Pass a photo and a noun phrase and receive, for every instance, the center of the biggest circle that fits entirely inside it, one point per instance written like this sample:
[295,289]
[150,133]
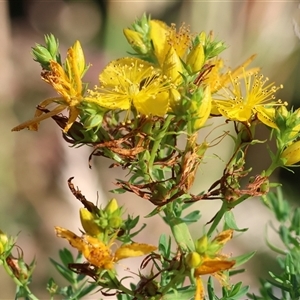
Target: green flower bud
[52,45]
[115,222]
[42,56]
[200,108]
[201,244]
[111,206]
[213,249]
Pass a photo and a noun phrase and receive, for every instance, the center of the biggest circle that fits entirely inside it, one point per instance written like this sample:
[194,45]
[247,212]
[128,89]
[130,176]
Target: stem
[157,144]
[30,295]
[226,206]
[218,217]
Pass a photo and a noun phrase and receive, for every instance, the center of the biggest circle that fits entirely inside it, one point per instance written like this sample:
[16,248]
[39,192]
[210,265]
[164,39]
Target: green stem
[218,217]
[119,285]
[226,206]
[174,281]
[157,144]
[30,295]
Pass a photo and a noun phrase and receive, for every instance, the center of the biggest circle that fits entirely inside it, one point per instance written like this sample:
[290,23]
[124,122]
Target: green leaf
[164,245]
[185,293]
[192,217]
[230,222]
[241,259]
[66,273]
[238,290]
[182,234]
[66,257]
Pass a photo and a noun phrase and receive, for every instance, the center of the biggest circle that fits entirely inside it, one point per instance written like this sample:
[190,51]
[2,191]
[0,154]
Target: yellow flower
[67,82]
[131,82]
[217,80]
[170,47]
[164,37]
[211,261]
[256,101]
[98,253]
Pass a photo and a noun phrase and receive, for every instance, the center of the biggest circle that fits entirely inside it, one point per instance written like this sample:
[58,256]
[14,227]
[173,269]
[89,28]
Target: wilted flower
[67,82]
[207,259]
[98,253]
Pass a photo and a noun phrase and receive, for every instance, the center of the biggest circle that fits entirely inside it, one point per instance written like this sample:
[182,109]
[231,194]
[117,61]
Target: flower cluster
[173,85]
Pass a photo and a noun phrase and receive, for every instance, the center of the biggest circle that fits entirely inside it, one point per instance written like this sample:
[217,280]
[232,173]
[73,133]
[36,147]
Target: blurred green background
[35,166]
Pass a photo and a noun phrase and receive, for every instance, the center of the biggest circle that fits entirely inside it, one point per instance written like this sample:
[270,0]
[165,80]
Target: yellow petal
[199,289]
[133,250]
[159,35]
[72,238]
[266,116]
[156,105]
[34,123]
[213,265]
[224,236]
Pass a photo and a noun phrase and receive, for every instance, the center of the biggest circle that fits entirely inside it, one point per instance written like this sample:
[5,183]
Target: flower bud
[111,206]
[135,39]
[42,56]
[172,66]
[282,111]
[295,130]
[3,241]
[88,223]
[80,61]
[158,35]
[195,58]
[193,260]
[52,45]
[201,104]
[175,103]
[291,155]
[213,249]
[201,244]
[115,222]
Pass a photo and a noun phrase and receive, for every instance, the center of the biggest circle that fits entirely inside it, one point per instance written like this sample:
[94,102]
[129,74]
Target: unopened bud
[135,39]
[111,206]
[291,155]
[3,241]
[195,58]
[201,244]
[88,223]
[193,260]
[115,222]
[200,109]
[172,66]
